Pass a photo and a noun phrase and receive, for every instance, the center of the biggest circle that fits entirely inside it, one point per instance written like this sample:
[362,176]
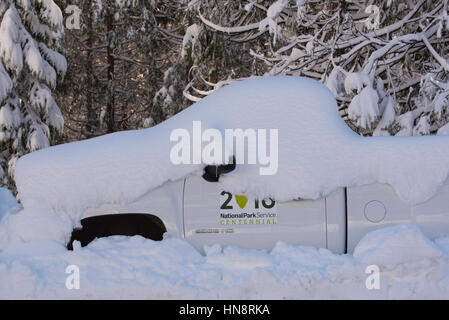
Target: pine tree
[30,65]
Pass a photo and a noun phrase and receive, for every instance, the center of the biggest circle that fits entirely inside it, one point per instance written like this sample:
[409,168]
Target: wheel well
[125,224]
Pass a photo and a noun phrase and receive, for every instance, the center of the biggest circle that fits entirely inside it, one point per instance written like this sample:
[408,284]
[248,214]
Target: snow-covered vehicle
[331,187]
[203,214]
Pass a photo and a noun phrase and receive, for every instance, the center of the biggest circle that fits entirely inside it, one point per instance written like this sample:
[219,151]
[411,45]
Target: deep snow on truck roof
[317,153]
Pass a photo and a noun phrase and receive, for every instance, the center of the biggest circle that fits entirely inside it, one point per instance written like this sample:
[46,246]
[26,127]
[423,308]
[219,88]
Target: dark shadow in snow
[128,224]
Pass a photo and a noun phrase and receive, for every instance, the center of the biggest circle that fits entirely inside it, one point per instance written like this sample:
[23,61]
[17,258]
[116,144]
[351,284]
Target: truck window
[128,224]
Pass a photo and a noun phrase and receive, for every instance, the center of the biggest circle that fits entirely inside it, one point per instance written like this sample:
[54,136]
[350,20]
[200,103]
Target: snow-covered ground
[7,203]
[411,267]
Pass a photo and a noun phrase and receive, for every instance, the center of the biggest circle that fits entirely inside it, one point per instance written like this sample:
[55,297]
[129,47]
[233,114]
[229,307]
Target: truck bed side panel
[376,206]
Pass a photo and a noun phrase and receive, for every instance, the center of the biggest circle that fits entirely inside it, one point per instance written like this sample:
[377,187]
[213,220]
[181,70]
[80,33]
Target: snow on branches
[30,36]
[386,62]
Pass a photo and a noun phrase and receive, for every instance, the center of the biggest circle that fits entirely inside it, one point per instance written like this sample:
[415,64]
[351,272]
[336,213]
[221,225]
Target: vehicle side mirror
[213,172]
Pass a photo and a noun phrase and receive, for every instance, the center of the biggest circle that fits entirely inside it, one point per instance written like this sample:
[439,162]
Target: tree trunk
[110,108]
[91,124]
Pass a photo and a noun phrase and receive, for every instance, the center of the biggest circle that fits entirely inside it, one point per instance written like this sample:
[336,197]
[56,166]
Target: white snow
[38,66]
[190,38]
[56,59]
[10,49]
[42,100]
[270,23]
[422,127]
[406,121]
[37,139]
[249,6]
[8,203]
[444,130]
[336,80]
[391,246]
[120,167]
[441,103]
[163,96]
[364,107]
[51,12]
[17,46]
[5,83]
[411,267]
[387,119]
[356,81]
[9,118]
[276,8]
[148,122]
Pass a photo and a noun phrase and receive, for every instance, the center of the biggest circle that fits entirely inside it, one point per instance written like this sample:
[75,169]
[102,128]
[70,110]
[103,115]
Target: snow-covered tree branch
[384,60]
[30,65]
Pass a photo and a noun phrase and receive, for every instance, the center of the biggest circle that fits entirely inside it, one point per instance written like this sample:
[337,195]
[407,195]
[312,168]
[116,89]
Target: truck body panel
[296,222]
[203,214]
[375,206]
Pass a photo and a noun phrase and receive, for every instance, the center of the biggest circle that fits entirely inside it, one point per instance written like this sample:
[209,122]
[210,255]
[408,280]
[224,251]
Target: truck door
[213,215]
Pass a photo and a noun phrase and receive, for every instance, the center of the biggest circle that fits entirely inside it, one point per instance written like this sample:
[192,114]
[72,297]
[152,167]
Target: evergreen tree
[30,65]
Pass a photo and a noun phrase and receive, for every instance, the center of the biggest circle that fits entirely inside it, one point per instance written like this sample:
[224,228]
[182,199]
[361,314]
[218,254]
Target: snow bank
[318,153]
[394,245]
[35,225]
[8,202]
[137,268]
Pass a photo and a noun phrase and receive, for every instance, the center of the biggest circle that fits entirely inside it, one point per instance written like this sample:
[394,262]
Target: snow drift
[317,153]
[8,203]
[138,268]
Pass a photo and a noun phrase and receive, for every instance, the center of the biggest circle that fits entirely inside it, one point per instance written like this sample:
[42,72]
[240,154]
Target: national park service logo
[241,210]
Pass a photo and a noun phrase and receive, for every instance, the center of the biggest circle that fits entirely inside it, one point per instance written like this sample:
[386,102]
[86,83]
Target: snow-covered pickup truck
[203,214]
[355,184]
